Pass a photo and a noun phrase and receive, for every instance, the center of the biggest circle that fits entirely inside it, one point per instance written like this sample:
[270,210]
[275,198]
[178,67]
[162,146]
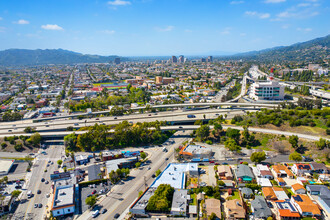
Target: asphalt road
[123,195]
[26,209]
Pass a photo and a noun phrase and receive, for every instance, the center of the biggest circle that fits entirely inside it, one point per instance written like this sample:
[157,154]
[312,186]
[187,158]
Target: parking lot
[85,191]
[17,171]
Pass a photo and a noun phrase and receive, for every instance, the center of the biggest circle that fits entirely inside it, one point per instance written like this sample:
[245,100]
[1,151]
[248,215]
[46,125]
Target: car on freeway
[216,114]
[47,126]
[116,215]
[97,119]
[95,213]
[149,115]
[115,118]
[76,124]
[180,127]
[9,130]
[104,211]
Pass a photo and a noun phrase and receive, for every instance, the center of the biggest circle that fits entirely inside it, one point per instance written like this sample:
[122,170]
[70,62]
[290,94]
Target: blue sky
[160,27]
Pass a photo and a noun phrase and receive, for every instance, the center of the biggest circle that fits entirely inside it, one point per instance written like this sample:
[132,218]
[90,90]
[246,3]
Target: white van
[95,213]
[29,194]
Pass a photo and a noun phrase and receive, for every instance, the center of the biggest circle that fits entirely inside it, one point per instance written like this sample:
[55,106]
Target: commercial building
[195,151]
[94,172]
[180,202]
[181,59]
[269,90]
[5,166]
[174,59]
[120,163]
[65,191]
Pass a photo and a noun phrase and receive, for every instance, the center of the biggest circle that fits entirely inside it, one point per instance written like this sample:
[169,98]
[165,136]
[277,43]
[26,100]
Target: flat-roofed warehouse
[5,166]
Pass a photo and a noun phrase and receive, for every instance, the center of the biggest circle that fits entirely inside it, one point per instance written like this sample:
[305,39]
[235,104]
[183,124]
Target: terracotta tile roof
[269,193]
[306,204]
[298,186]
[277,168]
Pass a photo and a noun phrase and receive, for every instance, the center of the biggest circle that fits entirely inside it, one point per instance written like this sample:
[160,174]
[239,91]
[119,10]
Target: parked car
[35,205]
[39,191]
[94,191]
[95,213]
[47,182]
[116,215]
[40,205]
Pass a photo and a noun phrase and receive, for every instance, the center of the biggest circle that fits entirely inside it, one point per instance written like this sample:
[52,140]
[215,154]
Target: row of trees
[116,176]
[124,134]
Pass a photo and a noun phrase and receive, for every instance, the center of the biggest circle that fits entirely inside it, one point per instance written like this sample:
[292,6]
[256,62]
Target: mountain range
[20,57]
[313,50]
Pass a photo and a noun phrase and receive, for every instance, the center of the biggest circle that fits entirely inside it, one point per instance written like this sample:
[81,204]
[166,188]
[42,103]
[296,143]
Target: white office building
[267,90]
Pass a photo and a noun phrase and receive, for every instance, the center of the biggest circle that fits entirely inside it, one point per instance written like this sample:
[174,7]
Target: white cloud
[166,29]
[53,27]
[274,1]
[257,14]
[110,32]
[2,29]
[304,5]
[226,31]
[242,34]
[285,26]
[236,2]
[119,2]
[304,29]
[22,21]
[188,31]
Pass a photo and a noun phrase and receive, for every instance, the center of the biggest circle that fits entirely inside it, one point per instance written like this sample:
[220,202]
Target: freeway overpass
[48,135]
[182,105]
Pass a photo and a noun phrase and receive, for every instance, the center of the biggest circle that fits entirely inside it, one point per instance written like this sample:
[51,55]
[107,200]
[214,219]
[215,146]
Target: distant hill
[20,57]
[312,50]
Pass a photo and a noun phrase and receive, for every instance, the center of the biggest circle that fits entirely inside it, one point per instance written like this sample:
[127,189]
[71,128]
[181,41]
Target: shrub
[209,142]
[18,147]
[3,145]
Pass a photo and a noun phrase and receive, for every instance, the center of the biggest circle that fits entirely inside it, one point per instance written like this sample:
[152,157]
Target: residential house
[213,206]
[264,172]
[286,210]
[280,193]
[235,209]
[305,206]
[280,182]
[321,193]
[224,172]
[319,168]
[269,193]
[298,188]
[247,193]
[282,171]
[300,169]
[260,208]
[244,173]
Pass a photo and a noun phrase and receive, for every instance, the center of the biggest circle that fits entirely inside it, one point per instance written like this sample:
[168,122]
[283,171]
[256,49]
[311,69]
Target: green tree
[59,162]
[158,172]
[293,140]
[35,139]
[233,134]
[295,156]
[137,164]
[143,155]
[70,142]
[213,216]
[257,157]
[18,147]
[4,145]
[231,145]
[16,193]
[203,132]
[91,200]
[322,143]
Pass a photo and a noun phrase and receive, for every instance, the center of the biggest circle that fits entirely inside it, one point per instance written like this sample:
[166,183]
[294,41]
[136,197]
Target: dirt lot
[10,147]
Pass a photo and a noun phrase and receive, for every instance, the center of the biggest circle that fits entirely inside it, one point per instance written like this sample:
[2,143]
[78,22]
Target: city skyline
[161,28]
